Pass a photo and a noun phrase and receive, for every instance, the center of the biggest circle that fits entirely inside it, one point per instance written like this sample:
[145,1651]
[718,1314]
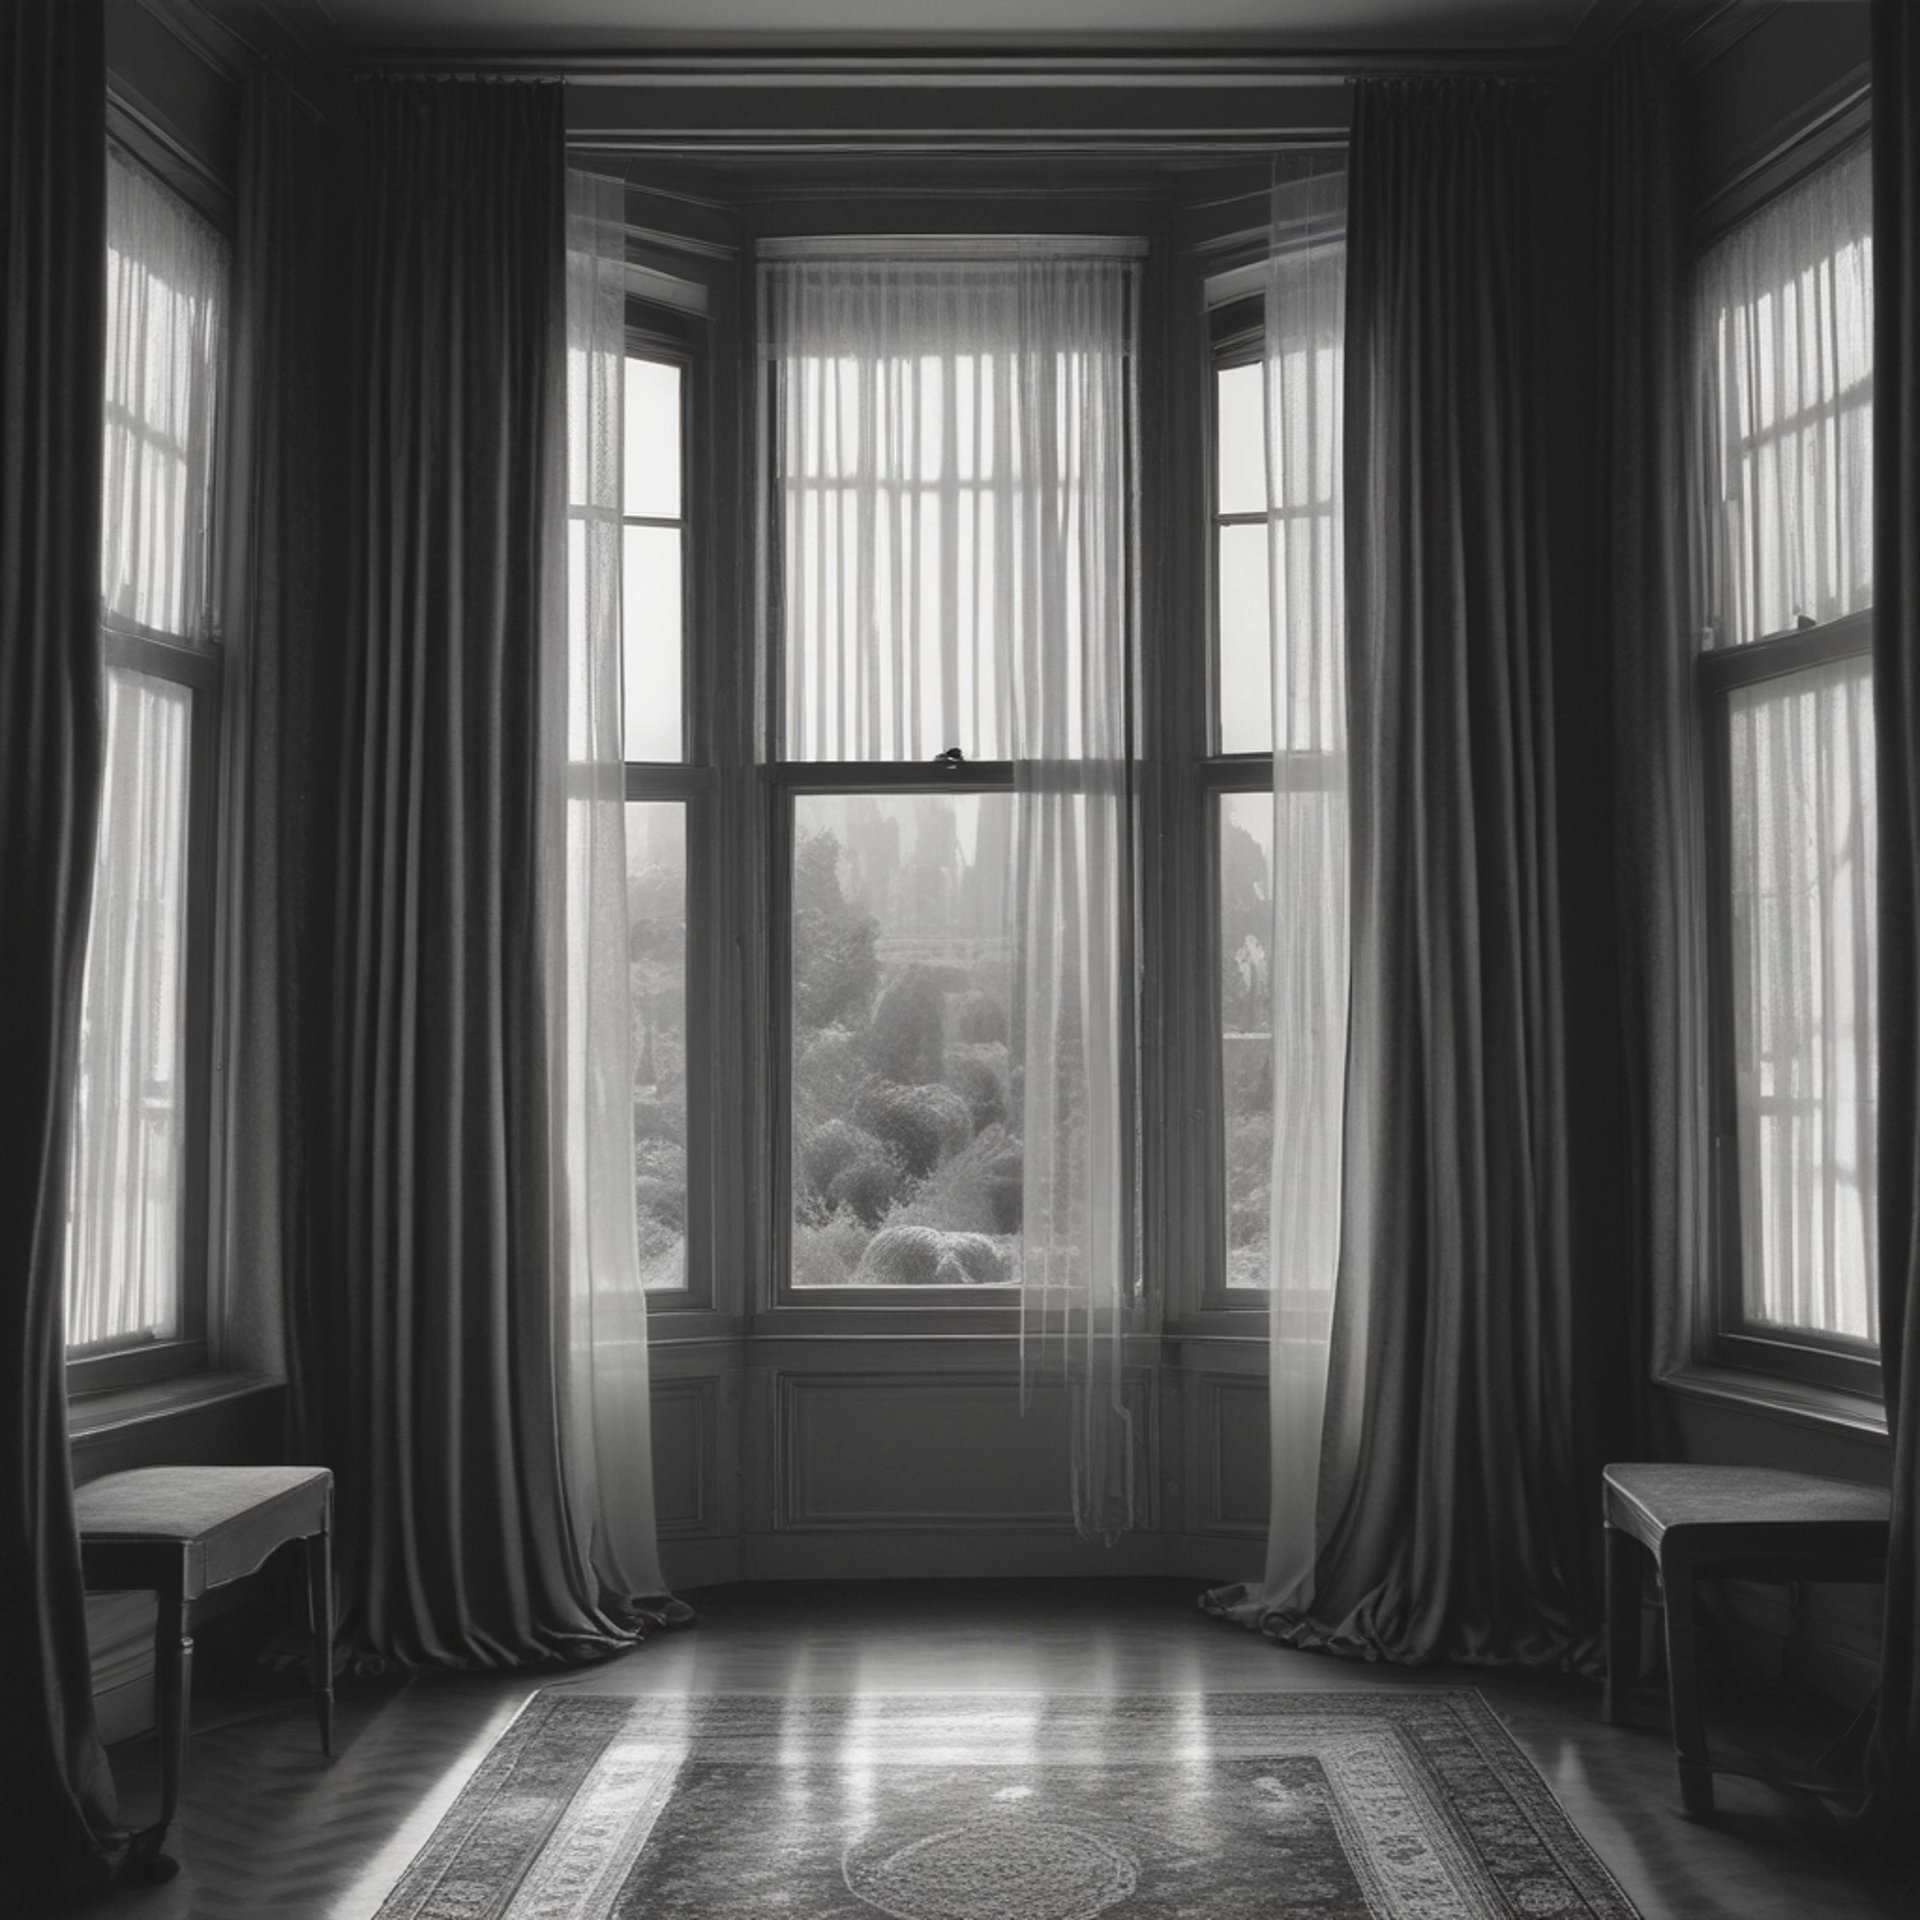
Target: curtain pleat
[440,1319]
[1447,1526]
[1645,511]
[286,607]
[56,1796]
[1893,1759]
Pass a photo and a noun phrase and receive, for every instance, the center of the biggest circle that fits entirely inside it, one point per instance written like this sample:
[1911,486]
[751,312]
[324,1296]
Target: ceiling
[1003,25]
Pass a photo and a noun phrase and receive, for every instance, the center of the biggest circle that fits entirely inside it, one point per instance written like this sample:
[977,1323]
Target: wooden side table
[1755,1522]
[177,1532]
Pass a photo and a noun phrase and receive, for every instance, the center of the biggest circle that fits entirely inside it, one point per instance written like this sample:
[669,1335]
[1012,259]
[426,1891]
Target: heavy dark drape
[1646,598]
[1447,1529]
[436,1372]
[286,461]
[1893,1761]
[56,1797]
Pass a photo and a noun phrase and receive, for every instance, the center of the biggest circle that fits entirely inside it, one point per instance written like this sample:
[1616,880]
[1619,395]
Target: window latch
[953,758]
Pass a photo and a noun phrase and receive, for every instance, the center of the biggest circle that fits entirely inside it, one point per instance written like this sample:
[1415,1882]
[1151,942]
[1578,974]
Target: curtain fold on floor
[1646,508]
[1893,1758]
[55,1790]
[440,1308]
[1447,1531]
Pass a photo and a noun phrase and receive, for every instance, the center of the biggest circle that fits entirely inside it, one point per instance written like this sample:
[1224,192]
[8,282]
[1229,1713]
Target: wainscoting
[793,1457]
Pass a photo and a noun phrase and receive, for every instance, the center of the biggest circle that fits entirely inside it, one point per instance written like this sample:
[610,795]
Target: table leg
[1623,1624]
[1683,1688]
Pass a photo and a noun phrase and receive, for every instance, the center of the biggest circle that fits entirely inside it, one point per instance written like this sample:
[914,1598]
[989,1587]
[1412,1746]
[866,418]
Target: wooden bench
[1755,1522]
[178,1532]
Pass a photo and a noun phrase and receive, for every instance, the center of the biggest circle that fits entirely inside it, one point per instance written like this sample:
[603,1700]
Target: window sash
[790,783]
[1738,1337]
[135,1357]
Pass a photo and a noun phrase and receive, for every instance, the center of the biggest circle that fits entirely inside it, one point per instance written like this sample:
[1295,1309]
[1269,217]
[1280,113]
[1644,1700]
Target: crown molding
[1225,70]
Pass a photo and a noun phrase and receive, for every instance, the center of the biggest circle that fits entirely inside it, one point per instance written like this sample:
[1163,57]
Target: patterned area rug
[1241,1806]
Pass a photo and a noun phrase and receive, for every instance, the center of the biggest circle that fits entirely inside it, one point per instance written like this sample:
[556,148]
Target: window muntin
[1784,695]
[136,1199]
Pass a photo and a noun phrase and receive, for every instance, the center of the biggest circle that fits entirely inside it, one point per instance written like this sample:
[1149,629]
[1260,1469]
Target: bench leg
[1623,1624]
[318,1548]
[145,1864]
[1683,1689]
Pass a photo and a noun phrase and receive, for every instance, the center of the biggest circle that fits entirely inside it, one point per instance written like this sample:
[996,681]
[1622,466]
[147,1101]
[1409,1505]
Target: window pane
[1246,1029]
[127,1172]
[650,625]
[1246,641]
[1238,432]
[1786,353]
[905,1117]
[1802,842]
[166,343]
[657,968]
[952,457]
[652,440]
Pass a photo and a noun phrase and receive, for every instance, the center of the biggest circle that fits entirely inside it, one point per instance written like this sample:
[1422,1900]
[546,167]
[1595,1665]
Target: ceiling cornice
[1224,70]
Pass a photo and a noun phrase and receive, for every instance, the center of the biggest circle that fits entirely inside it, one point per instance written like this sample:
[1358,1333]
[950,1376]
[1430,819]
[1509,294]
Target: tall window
[660,788]
[951,464]
[1278,714]
[629,530]
[136,1231]
[1785,357]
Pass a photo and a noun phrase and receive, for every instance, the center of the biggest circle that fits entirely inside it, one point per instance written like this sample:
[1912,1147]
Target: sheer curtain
[957,571]
[607,1426]
[1785,357]
[166,324]
[1301,394]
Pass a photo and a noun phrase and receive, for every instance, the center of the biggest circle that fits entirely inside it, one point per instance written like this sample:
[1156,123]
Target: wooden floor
[270,1828]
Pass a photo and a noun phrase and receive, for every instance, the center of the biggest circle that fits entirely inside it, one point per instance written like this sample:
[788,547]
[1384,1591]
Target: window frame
[672,336]
[915,1309]
[202,670]
[1826,1379]
[1234,335]
[1834,1362]
[788,781]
